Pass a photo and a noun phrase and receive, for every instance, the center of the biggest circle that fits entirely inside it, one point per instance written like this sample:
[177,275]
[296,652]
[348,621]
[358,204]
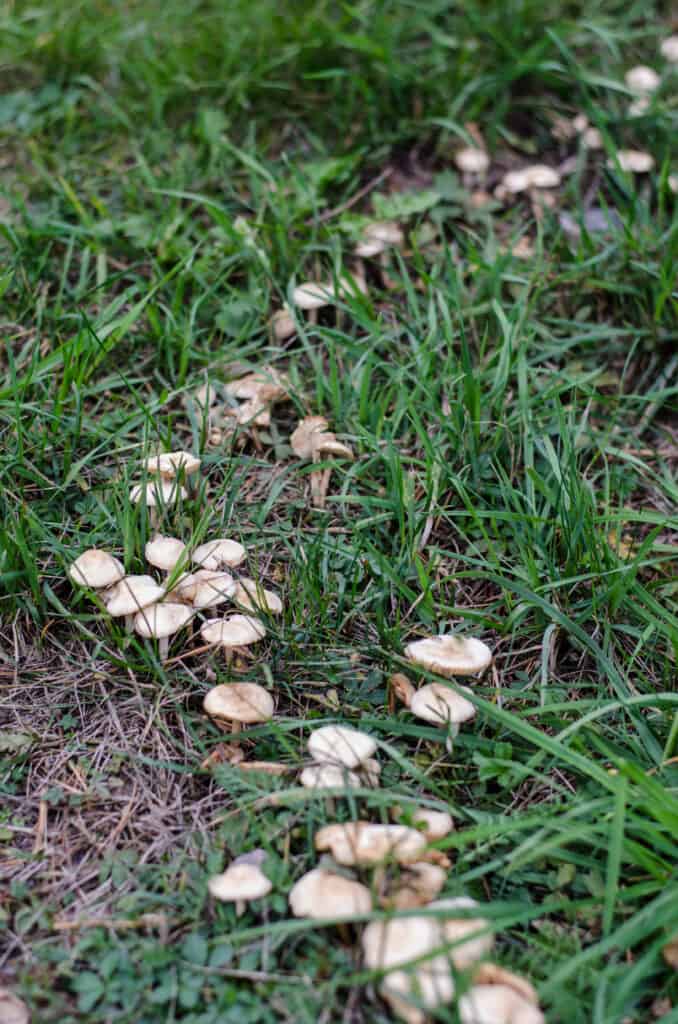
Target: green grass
[169,172]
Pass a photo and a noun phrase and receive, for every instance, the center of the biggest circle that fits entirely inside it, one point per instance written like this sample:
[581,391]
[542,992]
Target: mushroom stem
[452,733]
[153,516]
[129,623]
[239,908]
[235,728]
[163,648]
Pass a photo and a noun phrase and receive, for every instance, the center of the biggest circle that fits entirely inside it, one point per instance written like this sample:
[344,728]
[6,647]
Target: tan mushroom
[210,588]
[238,704]
[538,176]
[434,824]
[338,744]
[130,595]
[370,772]
[486,973]
[283,324]
[321,894]
[470,938]
[251,595]
[257,393]
[96,569]
[669,49]
[157,493]
[361,842]
[313,440]
[497,1004]
[240,884]
[377,237]
[312,295]
[219,553]
[449,655]
[633,161]
[414,885]
[328,776]
[472,161]
[642,80]
[164,552]
[172,464]
[160,622]
[12,1009]
[441,705]
[235,632]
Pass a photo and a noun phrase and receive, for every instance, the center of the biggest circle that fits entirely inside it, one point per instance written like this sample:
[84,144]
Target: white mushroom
[159,492]
[233,632]
[240,884]
[338,744]
[312,295]
[251,595]
[96,569]
[130,595]
[434,824]
[472,160]
[361,842]
[497,1004]
[669,49]
[450,655]
[160,622]
[538,176]
[415,885]
[171,464]
[633,161]
[313,440]
[283,324]
[642,80]
[216,554]
[164,552]
[238,704]
[212,588]
[441,705]
[328,776]
[377,237]
[12,1009]
[470,938]
[322,894]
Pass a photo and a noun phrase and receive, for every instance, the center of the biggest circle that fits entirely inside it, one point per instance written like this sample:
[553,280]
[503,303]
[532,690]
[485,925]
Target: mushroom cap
[240,882]
[302,440]
[161,620]
[428,985]
[283,324]
[338,744]
[215,554]
[534,176]
[361,842]
[370,771]
[516,181]
[463,952]
[170,464]
[642,80]
[12,1009]
[313,295]
[416,885]
[497,1004]
[96,569]
[632,160]
[472,160]
[233,631]
[131,594]
[164,552]
[450,655]
[441,705]
[377,237]
[396,941]
[592,138]
[239,702]
[265,384]
[251,595]
[328,776]
[212,588]
[669,49]
[154,492]
[320,894]
[436,824]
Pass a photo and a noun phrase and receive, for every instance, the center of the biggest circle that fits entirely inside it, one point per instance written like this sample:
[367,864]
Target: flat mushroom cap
[161,620]
[164,552]
[12,1009]
[248,703]
[633,160]
[440,705]
[131,594]
[516,181]
[428,984]
[215,554]
[301,439]
[283,324]
[266,384]
[642,80]
[328,776]
[157,492]
[233,631]
[339,744]
[240,882]
[251,595]
[377,237]
[669,49]
[437,824]
[170,464]
[472,160]
[396,941]
[320,894]
[313,295]
[464,952]
[450,655]
[212,588]
[416,886]
[497,1004]
[361,842]
[96,569]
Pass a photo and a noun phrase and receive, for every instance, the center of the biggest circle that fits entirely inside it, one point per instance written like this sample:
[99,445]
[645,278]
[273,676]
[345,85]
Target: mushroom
[257,392]
[240,884]
[469,937]
[210,588]
[164,552]
[473,162]
[492,974]
[283,324]
[633,161]
[378,236]
[415,885]
[160,622]
[238,704]
[669,49]
[497,1004]
[400,688]
[235,631]
[157,493]
[449,655]
[538,176]
[251,595]
[215,554]
[328,776]
[321,894]
[130,595]
[642,80]
[12,1009]
[171,464]
[434,824]
[370,772]
[313,440]
[311,296]
[338,744]
[96,569]
[361,842]
[441,705]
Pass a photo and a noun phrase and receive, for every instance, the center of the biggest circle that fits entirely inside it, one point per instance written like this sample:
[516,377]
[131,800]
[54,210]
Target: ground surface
[169,172]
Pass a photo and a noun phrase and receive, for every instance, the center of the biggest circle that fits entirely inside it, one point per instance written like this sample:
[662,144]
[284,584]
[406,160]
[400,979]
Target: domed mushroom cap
[534,176]
[328,776]
[377,237]
[212,588]
[240,882]
[170,464]
[251,595]
[96,569]
[157,492]
[425,986]
[248,703]
[340,745]
[633,161]
[164,552]
[399,940]
[497,1004]
[464,951]
[320,894]
[313,295]
[131,594]
[642,80]
[12,1009]
[472,160]
[161,620]
[361,842]
[450,655]
[233,631]
[215,554]
[283,324]
[440,705]
[416,885]
[435,824]
[669,49]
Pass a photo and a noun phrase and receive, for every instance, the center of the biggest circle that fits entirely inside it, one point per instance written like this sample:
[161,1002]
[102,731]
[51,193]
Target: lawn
[506,380]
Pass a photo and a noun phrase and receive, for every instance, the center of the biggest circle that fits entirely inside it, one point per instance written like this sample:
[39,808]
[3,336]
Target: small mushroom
[171,464]
[470,938]
[157,493]
[497,1004]
[130,595]
[310,295]
[669,49]
[211,588]
[377,237]
[283,324]
[96,569]
[240,884]
[441,705]
[250,595]
[361,842]
[164,552]
[632,161]
[434,824]
[313,440]
[538,176]
[473,162]
[238,704]
[219,553]
[370,772]
[415,885]
[321,894]
[338,744]
[257,393]
[449,655]
[642,80]
[492,974]
[160,622]
[328,776]
[232,633]
[12,1009]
